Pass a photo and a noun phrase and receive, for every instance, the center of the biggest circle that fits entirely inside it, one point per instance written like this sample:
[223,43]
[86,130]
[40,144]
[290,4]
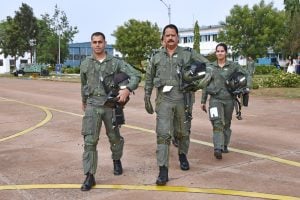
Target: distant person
[298,65]
[291,65]
[221,102]
[164,73]
[98,73]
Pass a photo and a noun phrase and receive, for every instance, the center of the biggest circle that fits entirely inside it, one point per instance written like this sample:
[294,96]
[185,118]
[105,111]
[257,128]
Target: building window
[23,61]
[185,40]
[1,62]
[12,62]
[215,36]
[83,57]
[205,38]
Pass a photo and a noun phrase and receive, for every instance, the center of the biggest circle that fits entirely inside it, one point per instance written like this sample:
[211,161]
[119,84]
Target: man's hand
[123,95]
[148,105]
[203,107]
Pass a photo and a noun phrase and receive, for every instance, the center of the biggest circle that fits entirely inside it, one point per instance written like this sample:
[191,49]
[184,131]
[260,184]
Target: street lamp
[59,65]
[58,46]
[32,43]
[169,10]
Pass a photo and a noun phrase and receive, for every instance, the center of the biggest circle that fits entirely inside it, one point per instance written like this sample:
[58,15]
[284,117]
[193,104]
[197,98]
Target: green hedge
[266,69]
[70,70]
[276,80]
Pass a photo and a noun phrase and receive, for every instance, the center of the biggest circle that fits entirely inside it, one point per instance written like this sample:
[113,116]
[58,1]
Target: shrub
[281,80]
[266,69]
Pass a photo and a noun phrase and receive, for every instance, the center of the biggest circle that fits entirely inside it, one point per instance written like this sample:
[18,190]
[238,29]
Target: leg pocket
[88,123]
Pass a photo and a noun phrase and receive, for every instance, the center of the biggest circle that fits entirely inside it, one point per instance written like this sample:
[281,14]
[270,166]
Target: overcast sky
[106,15]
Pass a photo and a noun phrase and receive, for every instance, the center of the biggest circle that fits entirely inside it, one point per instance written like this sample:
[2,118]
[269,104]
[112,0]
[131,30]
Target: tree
[250,32]
[26,27]
[196,45]
[55,31]
[18,32]
[136,41]
[292,42]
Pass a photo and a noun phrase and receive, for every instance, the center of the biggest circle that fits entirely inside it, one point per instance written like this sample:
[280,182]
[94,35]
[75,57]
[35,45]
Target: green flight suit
[221,102]
[96,77]
[163,71]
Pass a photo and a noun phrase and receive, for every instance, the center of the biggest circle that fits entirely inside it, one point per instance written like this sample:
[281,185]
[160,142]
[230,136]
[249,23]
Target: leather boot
[163,177]
[184,163]
[218,154]
[118,170]
[88,183]
[225,149]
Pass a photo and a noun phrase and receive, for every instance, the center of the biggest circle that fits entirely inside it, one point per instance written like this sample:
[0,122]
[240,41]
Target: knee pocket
[218,126]
[90,140]
[165,139]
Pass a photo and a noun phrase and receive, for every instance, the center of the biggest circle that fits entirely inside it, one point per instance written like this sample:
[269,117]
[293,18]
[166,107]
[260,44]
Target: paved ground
[41,149]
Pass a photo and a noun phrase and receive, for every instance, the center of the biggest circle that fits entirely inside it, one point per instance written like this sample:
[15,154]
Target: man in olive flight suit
[97,73]
[164,73]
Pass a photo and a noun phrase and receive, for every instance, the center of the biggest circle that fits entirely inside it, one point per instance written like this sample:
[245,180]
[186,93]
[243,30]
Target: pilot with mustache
[164,73]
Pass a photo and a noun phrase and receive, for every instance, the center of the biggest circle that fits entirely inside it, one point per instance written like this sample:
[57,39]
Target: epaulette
[188,49]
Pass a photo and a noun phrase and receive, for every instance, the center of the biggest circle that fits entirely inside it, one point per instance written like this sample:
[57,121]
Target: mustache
[171,40]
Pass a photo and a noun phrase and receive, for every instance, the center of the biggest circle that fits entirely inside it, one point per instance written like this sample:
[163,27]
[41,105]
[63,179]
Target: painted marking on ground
[43,122]
[154,188]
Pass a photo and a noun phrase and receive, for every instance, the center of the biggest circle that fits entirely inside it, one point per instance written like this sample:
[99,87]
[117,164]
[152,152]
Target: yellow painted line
[139,128]
[44,121]
[273,158]
[154,188]
[66,112]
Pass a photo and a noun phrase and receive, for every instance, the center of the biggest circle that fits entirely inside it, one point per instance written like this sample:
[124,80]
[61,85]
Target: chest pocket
[161,69]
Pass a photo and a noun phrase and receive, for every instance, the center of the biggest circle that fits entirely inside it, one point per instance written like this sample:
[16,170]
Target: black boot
[163,177]
[218,154]
[88,183]
[225,149]
[118,170]
[184,163]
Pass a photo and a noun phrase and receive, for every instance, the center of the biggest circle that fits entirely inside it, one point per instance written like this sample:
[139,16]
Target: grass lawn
[277,92]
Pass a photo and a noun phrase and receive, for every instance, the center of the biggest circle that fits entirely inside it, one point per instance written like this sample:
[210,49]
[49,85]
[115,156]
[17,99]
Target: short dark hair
[98,34]
[222,45]
[171,26]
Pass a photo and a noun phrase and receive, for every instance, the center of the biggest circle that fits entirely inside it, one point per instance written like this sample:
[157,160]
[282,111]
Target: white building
[9,62]
[208,36]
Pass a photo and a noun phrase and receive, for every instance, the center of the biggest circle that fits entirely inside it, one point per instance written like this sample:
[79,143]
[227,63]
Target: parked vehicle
[268,61]
[40,69]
